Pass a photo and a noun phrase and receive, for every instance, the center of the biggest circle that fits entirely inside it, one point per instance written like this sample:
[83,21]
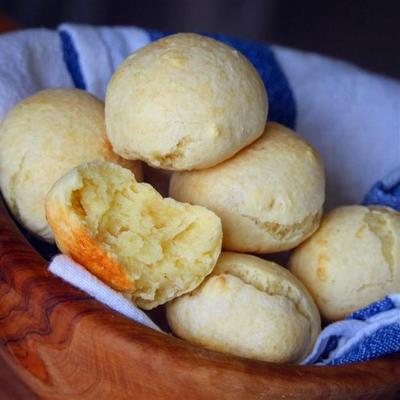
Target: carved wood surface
[62,344]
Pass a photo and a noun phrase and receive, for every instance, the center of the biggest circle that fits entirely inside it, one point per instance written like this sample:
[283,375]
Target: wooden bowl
[61,344]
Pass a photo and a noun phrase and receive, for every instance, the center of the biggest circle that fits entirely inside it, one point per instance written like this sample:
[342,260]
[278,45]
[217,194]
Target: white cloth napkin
[101,50]
[351,116]
[30,61]
[76,275]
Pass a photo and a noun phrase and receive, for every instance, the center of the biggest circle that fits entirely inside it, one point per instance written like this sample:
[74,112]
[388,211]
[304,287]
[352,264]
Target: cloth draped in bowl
[351,117]
[368,333]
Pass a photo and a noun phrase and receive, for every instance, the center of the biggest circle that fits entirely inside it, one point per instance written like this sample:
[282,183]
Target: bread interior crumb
[164,246]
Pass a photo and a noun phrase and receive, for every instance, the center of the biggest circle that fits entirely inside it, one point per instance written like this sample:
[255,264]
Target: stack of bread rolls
[188,105]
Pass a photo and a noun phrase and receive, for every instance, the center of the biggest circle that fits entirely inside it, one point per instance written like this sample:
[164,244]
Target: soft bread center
[162,244]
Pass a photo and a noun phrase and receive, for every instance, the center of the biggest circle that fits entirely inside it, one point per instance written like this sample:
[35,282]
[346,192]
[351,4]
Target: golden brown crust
[76,242]
[249,307]
[269,196]
[41,139]
[352,260]
[212,103]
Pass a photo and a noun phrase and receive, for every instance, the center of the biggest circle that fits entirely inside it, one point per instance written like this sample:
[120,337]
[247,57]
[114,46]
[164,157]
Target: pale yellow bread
[152,249]
[269,195]
[248,307]
[41,139]
[352,260]
[184,102]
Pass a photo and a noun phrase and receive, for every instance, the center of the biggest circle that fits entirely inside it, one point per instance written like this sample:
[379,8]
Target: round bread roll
[41,139]
[352,260]
[248,307]
[184,102]
[150,248]
[269,196]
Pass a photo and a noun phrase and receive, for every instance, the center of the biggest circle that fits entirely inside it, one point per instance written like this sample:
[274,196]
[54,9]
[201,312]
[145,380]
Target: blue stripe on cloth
[383,341]
[71,59]
[384,196]
[375,308]
[282,104]
[156,35]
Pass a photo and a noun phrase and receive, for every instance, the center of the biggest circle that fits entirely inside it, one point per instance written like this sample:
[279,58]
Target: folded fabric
[386,192]
[369,333]
[349,115]
[80,277]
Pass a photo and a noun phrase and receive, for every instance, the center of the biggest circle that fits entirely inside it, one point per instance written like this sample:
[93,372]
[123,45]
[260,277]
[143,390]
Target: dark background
[366,32]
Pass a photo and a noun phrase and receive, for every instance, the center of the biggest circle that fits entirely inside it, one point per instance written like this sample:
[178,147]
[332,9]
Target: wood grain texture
[11,387]
[64,345]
